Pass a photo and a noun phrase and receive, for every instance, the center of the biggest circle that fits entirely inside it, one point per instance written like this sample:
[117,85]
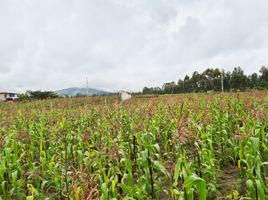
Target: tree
[146,90]
[216,79]
[226,81]
[152,90]
[181,86]
[187,84]
[42,94]
[169,88]
[210,79]
[195,84]
[254,80]
[264,77]
[238,80]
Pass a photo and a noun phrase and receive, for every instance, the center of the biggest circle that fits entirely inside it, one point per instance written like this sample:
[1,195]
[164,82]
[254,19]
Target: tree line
[212,79]
[37,95]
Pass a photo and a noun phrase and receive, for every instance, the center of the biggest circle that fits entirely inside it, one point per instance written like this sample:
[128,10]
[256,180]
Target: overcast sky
[126,44]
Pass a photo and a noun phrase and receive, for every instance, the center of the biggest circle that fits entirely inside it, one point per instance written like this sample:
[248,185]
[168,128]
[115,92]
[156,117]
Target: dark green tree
[169,88]
[264,77]
[181,86]
[210,80]
[254,80]
[238,80]
[42,94]
[187,84]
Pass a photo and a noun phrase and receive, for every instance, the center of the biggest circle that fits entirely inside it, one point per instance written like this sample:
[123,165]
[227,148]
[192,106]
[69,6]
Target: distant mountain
[73,91]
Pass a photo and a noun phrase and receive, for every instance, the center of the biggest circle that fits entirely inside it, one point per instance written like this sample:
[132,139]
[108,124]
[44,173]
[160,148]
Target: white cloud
[126,44]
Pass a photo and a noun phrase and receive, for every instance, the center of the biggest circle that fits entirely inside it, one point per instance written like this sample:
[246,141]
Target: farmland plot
[194,146]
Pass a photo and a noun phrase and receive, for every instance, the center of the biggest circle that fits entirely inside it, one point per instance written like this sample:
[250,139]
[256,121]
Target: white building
[8,96]
[125,96]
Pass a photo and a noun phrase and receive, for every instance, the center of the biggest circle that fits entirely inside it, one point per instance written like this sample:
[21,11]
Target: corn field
[196,146]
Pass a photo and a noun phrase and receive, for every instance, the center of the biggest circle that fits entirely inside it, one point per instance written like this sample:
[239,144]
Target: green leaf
[104,192]
[157,147]
[160,167]
[254,144]
[29,198]
[251,188]
[194,180]
[14,175]
[260,189]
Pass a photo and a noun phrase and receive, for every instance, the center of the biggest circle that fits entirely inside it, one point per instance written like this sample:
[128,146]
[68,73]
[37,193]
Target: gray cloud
[121,44]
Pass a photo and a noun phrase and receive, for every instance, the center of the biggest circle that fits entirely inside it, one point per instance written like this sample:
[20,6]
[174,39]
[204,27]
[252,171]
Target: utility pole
[222,89]
[87,86]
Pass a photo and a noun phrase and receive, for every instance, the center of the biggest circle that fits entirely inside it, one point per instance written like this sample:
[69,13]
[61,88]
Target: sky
[126,44]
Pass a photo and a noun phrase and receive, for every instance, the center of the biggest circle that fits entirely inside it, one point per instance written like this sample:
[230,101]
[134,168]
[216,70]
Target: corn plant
[166,147]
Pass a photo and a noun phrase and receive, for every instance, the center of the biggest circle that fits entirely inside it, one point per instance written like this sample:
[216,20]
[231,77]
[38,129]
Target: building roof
[8,93]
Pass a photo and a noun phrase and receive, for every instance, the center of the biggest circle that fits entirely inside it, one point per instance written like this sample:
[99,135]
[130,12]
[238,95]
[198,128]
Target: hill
[73,91]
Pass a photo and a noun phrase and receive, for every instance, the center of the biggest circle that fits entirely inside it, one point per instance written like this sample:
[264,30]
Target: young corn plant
[253,161]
